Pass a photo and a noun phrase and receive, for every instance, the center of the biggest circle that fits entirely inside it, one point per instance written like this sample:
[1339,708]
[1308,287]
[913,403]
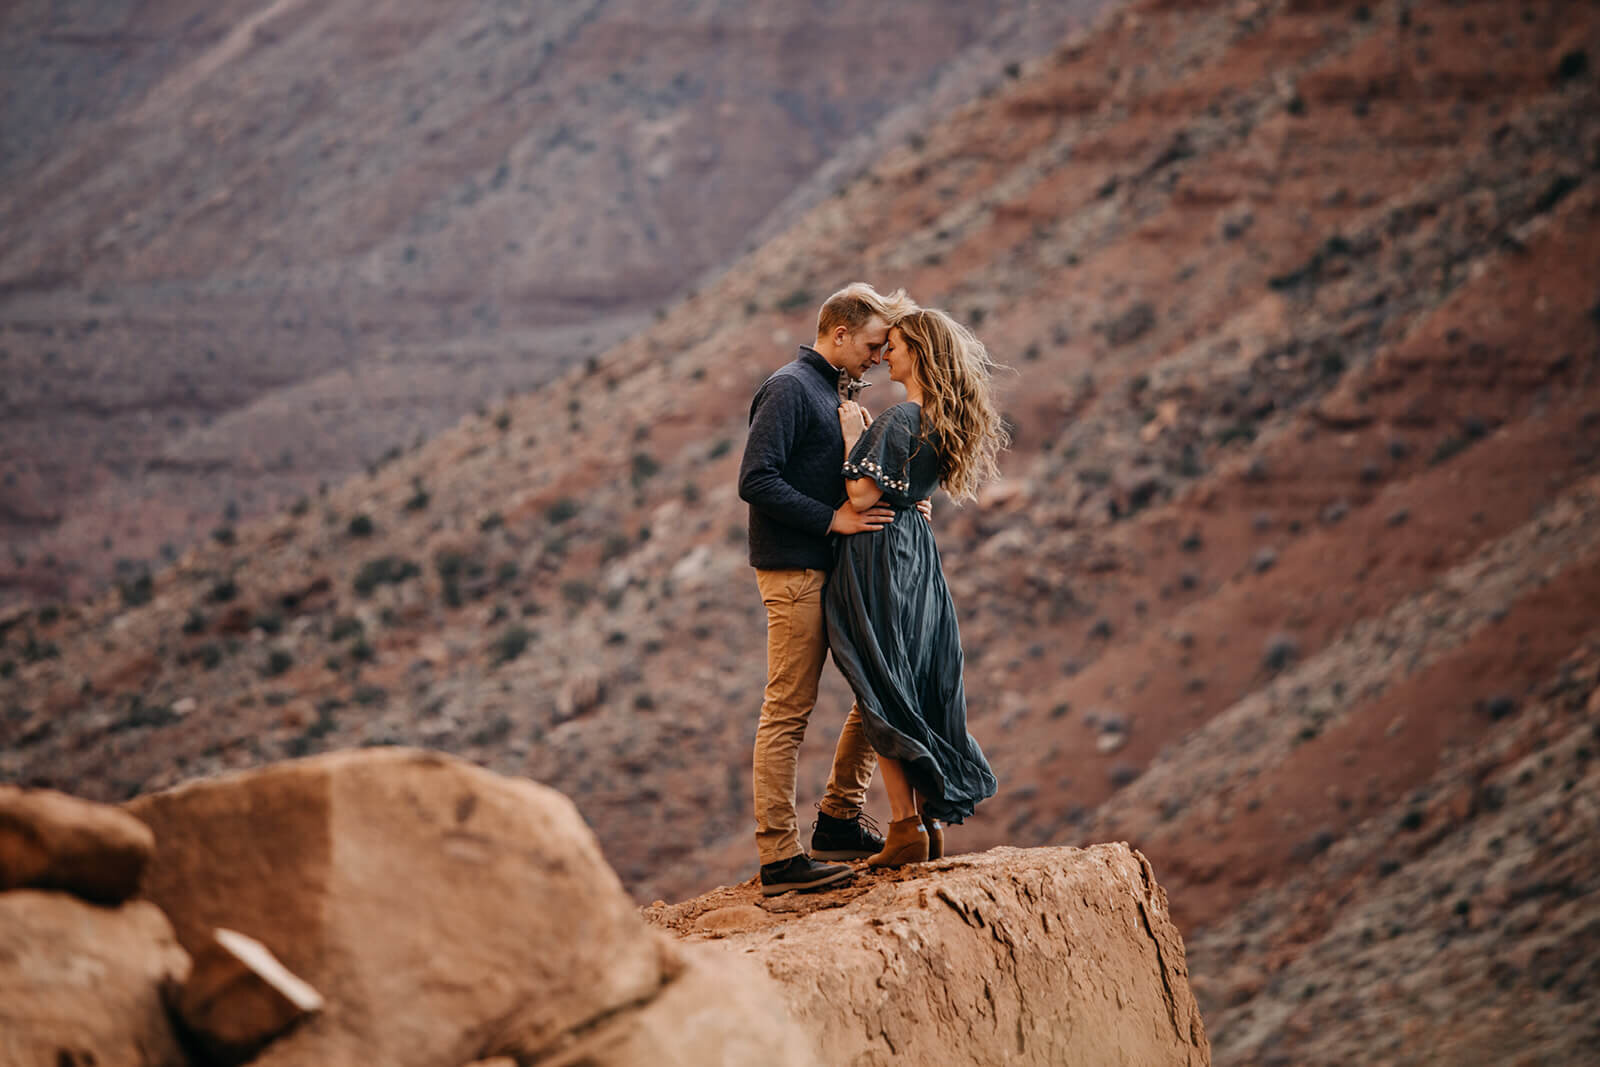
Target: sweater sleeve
[776,419]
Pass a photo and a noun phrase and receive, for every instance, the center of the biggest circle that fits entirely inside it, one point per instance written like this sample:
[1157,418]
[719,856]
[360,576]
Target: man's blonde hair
[857,302]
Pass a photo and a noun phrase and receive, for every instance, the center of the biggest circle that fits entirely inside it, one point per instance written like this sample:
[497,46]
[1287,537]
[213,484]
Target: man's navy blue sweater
[792,475]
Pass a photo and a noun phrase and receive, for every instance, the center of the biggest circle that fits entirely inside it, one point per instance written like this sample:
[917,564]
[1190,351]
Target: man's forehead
[876,329]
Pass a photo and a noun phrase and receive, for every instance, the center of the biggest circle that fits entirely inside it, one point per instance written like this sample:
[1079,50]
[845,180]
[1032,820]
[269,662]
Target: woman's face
[898,355]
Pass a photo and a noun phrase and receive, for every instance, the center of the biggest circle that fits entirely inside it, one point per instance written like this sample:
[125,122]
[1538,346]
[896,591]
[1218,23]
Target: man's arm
[774,425]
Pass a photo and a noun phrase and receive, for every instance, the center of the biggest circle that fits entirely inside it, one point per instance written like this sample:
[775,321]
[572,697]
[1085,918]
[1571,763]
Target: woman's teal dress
[892,625]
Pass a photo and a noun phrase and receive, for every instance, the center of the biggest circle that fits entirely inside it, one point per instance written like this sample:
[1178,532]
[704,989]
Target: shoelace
[869,825]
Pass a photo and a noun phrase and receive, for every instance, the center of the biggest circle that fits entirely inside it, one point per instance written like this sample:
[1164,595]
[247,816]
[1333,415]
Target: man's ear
[839,334]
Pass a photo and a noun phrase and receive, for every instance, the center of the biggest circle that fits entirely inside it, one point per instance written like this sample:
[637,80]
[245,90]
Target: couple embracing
[845,558]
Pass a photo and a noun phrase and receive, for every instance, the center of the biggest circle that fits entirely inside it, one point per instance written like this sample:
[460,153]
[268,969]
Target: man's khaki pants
[797,645]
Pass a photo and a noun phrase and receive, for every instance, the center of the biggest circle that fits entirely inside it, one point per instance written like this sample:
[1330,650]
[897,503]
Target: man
[792,478]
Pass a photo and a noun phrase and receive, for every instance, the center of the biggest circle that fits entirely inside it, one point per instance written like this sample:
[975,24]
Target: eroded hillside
[257,245]
[1288,583]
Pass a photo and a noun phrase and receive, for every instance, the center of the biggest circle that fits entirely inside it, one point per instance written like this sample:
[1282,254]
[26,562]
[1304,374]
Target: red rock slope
[1298,531]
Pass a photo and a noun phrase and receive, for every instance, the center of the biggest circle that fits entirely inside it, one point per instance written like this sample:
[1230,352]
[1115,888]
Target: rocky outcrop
[1016,956]
[403,907]
[49,840]
[446,914]
[82,984]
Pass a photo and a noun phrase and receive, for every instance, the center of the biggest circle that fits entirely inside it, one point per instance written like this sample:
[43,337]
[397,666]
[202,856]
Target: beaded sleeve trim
[870,469]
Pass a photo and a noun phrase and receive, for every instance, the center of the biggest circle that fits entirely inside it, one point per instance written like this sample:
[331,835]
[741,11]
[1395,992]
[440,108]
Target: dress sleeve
[884,454]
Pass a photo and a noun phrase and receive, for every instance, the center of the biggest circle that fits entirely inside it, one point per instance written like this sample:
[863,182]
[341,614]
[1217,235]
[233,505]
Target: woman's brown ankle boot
[906,843]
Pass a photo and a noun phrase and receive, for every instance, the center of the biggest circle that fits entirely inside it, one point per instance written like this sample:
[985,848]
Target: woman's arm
[863,492]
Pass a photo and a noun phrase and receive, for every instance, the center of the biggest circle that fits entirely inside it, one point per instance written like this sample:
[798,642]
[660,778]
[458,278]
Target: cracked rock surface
[1017,956]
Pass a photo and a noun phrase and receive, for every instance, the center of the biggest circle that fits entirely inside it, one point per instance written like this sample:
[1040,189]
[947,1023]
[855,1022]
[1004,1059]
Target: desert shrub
[278,661]
[1281,650]
[577,592]
[510,644]
[383,570]
[561,510]
[419,498]
[141,715]
[644,466]
[370,695]
[1447,449]
[137,590]
[344,627]
[360,526]
[616,544]
[224,535]
[34,650]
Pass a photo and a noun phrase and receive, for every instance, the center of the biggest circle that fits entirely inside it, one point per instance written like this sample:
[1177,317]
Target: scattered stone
[49,840]
[1399,517]
[1335,512]
[1123,774]
[83,984]
[239,997]
[1264,560]
[1110,741]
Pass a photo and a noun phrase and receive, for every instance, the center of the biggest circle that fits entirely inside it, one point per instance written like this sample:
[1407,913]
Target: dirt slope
[1305,322]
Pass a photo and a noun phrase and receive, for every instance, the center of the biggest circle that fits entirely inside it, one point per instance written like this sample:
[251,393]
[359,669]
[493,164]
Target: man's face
[864,348]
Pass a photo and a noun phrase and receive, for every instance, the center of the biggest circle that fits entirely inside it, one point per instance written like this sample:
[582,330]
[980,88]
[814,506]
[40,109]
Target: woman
[891,623]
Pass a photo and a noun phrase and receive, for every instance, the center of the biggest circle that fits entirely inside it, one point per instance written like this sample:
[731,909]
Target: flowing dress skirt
[892,629]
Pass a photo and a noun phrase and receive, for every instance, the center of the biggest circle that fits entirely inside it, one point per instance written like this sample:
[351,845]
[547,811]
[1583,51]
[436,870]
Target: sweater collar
[813,359]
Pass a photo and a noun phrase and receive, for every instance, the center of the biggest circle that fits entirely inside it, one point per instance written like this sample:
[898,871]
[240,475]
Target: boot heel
[935,835]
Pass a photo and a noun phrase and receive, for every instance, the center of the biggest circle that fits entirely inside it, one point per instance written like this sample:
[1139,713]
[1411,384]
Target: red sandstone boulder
[446,914]
[50,840]
[81,984]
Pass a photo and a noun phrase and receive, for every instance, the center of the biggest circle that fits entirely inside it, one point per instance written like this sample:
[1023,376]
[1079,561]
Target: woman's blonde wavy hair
[958,410]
